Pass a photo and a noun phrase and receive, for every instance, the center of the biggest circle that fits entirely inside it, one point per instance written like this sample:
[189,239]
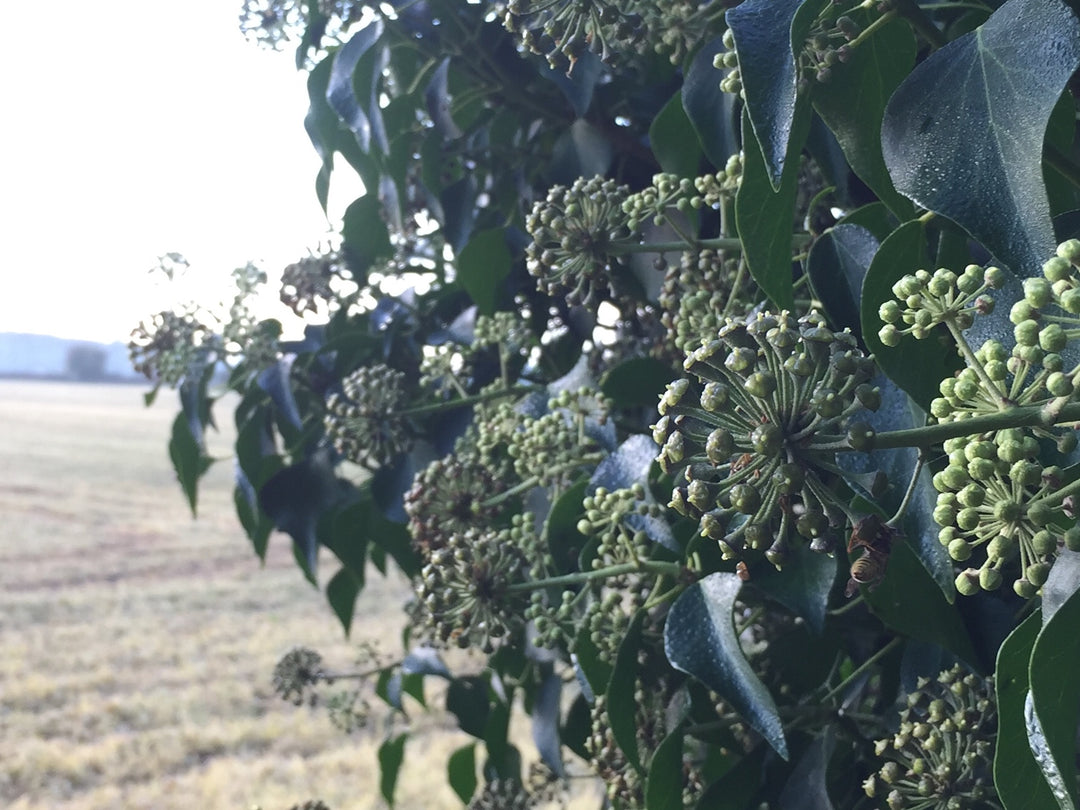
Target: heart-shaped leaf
[700,640]
[837,266]
[963,135]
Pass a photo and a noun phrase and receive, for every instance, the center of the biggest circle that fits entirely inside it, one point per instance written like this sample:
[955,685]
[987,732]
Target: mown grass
[137,645]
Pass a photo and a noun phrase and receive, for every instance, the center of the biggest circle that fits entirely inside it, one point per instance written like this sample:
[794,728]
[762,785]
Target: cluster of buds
[465,586]
[669,192]
[695,294]
[994,494]
[296,673]
[502,794]
[829,35]
[925,299]
[311,804]
[675,27]
[577,233]
[618,519]
[623,784]
[364,420]
[306,284]
[563,30]
[243,333]
[941,756]
[171,346]
[506,330]
[450,496]
[728,60]
[757,437]
[549,448]
[272,23]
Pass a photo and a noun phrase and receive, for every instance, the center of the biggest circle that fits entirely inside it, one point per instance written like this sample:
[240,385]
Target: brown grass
[136,645]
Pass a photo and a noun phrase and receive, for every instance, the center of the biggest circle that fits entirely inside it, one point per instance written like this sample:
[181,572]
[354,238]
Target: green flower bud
[1040,514]
[1000,548]
[767,439]
[954,477]
[719,446]
[1024,589]
[1072,538]
[1021,311]
[940,408]
[989,578]
[1043,543]
[960,549]
[1026,332]
[890,312]
[979,449]
[981,469]
[1069,250]
[1052,338]
[1037,292]
[944,515]
[714,396]
[1007,511]
[860,436]
[1056,269]
[995,278]
[889,335]
[761,384]
[745,498]
[789,478]
[967,519]
[1070,301]
[670,398]
[697,493]
[1059,385]
[967,582]
[972,495]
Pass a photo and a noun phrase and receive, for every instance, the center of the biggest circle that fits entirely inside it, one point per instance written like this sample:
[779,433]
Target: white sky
[132,128]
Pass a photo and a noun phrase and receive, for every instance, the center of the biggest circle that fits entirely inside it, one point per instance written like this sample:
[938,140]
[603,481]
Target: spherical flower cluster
[306,284]
[170,346]
[675,27]
[994,494]
[624,786]
[698,291]
[448,497]
[364,420]
[563,30]
[502,794]
[728,60]
[297,671]
[618,519]
[757,438]
[311,804]
[549,448]
[506,330]
[941,757]
[926,299]
[576,235]
[465,586]
[669,192]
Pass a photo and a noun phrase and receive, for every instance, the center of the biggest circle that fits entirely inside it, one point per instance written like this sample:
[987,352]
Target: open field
[137,645]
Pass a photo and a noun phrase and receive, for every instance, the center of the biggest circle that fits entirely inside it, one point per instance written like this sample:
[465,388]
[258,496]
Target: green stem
[581,577]
[1058,495]
[868,32]
[920,22]
[929,435]
[475,399]
[859,670]
[895,519]
[974,364]
[798,240]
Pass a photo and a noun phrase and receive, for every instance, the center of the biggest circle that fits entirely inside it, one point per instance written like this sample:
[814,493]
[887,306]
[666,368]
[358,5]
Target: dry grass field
[137,645]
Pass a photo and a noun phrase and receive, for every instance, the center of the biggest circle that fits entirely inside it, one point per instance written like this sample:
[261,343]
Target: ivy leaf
[437,101]
[712,112]
[700,640]
[764,216]
[188,459]
[630,465]
[837,266]
[339,90]
[581,151]
[579,85]
[806,788]
[545,720]
[1017,777]
[364,237]
[425,661]
[620,692]
[803,586]
[341,593]
[593,672]
[672,138]
[467,699]
[274,380]
[664,785]
[853,101]
[563,538]
[762,32]
[917,366]
[963,135]
[1063,582]
[482,265]
[461,772]
[637,382]
[1055,701]
[391,755]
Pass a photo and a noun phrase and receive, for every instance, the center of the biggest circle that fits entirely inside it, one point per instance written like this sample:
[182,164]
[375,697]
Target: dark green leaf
[188,459]
[564,540]
[391,755]
[589,666]
[853,101]
[545,720]
[803,586]
[437,102]
[458,201]
[738,786]
[579,85]
[837,265]
[578,726]
[1017,777]
[917,366]
[806,787]
[630,465]
[875,217]
[365,239]
[581,151]
[963,135]
[339,89]
[461,771]
[700,640]
[1055,701]
[482,265]
[664,785]
[912,603]
[712,112]
[637,382]
[763,41]
[467,699]
[341,593]
[673,141]
[764,217]
[620,692]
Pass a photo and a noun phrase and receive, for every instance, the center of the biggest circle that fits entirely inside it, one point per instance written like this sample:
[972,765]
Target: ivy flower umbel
[464,586]
[576,232]
[563,30]
[941,757]
[756,439]
[995,495]
[363,421]
[170,346]
[448,497]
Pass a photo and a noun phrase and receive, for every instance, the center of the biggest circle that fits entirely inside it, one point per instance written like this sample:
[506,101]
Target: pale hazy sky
[132,128]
